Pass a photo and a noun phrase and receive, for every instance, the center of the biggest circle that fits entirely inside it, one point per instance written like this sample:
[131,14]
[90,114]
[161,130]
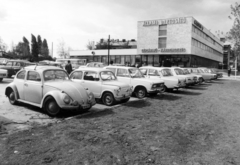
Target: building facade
[179,41]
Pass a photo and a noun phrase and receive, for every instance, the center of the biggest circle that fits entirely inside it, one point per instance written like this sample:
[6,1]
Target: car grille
[3,74]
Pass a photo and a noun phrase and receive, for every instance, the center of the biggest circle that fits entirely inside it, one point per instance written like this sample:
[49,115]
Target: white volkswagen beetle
[165,74]
[134,77]
[48,87]
[103,83]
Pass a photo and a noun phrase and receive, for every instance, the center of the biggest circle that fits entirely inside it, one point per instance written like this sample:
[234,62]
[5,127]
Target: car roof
[96,69]
[41,67]
[125,67]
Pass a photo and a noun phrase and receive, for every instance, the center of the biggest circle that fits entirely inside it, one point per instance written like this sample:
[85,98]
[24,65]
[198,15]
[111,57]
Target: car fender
[108,90]
[56,95]
[14,88]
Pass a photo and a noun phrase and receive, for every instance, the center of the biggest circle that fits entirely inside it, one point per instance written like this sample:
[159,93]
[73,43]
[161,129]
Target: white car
[165,74]
[199,77]
[190,80]
[3,74]
[134,77]
[103,83]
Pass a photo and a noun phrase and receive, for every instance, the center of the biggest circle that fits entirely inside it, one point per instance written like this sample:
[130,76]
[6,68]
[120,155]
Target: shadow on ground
[166,96]
[96,113]
[185,92]
[137,104]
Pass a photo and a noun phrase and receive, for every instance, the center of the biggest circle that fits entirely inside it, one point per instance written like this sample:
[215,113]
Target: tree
[39,43]
[62,49]
[3,46]
[44,49]
[103,44]
[34,47]
[90,45]
[234,33]
[26,46]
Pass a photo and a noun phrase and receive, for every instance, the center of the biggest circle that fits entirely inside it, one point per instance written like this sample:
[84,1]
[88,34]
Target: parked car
[199,77]
[134,77]
[13,66]
[206,71]
[190,80]
[170,82]
[103,83]
[206,76]
[50,63]
[215,71]
[94,64]
[49,88]
[3,74]
[3,61]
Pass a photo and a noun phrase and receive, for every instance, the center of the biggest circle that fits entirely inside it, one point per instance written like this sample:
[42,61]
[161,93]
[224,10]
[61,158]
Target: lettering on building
[180,20]
[198,24]
[164,50]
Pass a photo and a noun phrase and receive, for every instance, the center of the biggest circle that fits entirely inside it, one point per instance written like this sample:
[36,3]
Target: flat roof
[103,52]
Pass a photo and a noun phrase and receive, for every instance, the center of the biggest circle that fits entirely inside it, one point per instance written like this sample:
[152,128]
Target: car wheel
[12,98]
[1,79]
[108,99]
[51,107]
[125,100]
[140,92]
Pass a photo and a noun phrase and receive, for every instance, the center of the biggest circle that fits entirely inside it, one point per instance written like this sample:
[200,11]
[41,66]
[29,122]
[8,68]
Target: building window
[162,30]
[162,42]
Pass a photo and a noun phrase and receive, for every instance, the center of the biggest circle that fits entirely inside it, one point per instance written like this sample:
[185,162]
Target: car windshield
[186,71]
[200,70]
[107,76]
[166,72]
[195,70]
[179,71]
[207,71]
[135,73]
[55,75]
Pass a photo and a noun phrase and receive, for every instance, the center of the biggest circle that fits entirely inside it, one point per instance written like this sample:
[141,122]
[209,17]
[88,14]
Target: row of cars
[52,89]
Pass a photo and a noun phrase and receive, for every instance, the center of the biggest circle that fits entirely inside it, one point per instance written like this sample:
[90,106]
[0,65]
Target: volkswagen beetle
[50,88]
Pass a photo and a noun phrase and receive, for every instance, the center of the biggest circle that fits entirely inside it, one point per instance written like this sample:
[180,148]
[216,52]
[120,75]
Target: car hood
[116,83]
[73,89]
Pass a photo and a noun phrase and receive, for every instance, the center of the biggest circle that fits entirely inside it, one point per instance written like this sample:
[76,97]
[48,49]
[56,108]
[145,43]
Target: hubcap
[141,93]
[12,97]
[108,99]
[52,107]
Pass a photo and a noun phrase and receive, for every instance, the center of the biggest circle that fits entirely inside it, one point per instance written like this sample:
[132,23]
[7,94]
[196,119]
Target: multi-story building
[179,41]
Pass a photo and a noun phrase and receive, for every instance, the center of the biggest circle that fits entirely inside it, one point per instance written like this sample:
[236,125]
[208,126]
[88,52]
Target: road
[23,116]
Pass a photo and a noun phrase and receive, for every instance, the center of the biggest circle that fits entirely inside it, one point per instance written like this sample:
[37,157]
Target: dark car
[13,66]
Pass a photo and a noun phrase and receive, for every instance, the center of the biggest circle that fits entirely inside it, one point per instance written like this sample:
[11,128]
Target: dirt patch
[195,126]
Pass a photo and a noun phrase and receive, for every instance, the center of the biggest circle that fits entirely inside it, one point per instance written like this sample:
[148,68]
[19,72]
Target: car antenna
[35,66]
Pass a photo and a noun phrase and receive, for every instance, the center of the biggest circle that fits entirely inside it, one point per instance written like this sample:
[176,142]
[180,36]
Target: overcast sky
[78,21]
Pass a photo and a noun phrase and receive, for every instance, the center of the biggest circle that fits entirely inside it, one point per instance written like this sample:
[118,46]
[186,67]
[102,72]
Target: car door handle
[26,85]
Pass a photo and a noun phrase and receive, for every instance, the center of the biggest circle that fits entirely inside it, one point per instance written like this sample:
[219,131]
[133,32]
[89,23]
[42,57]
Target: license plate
[86,106]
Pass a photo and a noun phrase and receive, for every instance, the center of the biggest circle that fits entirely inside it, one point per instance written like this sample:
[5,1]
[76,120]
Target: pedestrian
[229,71]
[68,67]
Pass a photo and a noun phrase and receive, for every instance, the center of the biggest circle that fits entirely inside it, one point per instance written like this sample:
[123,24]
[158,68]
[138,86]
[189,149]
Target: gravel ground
[194,126]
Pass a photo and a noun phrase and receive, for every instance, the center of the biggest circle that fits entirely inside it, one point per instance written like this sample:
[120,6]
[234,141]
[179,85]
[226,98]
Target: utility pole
[108,47]
[52,49]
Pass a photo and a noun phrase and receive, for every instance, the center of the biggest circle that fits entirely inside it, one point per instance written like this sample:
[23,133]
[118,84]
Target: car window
[33,76]
[112,69]
[91,76]
[17,64]
[179,71]
[21,75]
[153,72]
[77,75]
[166,72]
[9,64]
[122,73]
[55,75]
[107,75]
[144,71]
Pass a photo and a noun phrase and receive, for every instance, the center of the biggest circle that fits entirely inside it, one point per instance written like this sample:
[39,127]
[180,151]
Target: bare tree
[3,46]
[62,49]
[90,45]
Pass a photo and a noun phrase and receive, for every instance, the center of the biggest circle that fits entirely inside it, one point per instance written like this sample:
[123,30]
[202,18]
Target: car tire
[140,92]
[1,79]
[51,107]
[108,99]
[12,98]
[125,100]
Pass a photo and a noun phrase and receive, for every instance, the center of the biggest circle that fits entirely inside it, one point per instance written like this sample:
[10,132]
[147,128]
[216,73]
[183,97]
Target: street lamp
[93,53]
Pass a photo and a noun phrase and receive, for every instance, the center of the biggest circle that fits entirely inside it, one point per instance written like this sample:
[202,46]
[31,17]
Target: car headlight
[154,86]
[90,96]
[66,99]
